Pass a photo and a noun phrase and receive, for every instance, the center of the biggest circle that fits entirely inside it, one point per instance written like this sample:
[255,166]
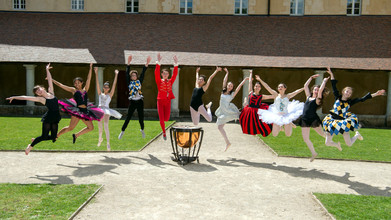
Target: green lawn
[42,201]
[17,133]
[356,207]
[376,145]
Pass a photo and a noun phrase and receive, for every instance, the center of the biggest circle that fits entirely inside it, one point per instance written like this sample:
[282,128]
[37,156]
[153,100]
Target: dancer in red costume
[164,96]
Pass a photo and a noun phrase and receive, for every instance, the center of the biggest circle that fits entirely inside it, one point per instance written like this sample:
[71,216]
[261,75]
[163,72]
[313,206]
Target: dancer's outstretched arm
[175,71]
[87,86]
[307,84]
[64,87]
[239,86]
[49,78]
[197,74]
[320,92]
[225,78]
[293,94]
[27,98]
[206,86]
[114,83]
[97,81]
[267,87]
[250,82]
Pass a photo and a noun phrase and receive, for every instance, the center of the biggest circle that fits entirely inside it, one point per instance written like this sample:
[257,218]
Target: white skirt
[111,112]
[273,115]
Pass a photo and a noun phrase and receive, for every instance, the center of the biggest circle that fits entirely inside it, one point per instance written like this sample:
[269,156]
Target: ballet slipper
[226,147]
[28,149]
[100,142]
[339,146]
[164,136]
[313,157]
[108,147]
[359,136]
[32,139]
[74,138]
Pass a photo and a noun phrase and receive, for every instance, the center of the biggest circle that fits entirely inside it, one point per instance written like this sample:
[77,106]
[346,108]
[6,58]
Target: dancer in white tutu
[227,111]
[282,112]
[104,101]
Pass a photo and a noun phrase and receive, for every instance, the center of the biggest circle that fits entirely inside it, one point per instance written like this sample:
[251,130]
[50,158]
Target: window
[241,7]
[186,6]
[132,6]
[19,4]
[297,7]
[353,7]
[77,5]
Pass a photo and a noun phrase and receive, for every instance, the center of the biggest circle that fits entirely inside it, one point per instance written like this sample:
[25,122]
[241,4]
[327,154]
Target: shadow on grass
[360,188]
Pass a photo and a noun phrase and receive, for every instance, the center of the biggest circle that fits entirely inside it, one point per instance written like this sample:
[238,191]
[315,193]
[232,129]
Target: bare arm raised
[205,87]
[267,87]
[49,78]
[239,86]
[98,89]
[114,83]
[87,86]
[307,84]
[225,78]
[197,74]
[293,94]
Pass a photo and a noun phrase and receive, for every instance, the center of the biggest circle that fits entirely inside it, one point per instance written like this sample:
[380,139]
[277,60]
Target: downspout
[268,7]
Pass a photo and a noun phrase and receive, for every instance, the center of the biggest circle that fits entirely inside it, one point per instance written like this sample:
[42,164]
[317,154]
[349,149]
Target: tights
[105,120]
[135,104]
[46,128]
[305,131]
[277,128]
[195,115]
[163,109]
[222,131]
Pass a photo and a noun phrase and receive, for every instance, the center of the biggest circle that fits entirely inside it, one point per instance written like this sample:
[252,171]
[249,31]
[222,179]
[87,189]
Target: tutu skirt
[250,122]
[111,112]
[92,112]
[273,115]
[339,126]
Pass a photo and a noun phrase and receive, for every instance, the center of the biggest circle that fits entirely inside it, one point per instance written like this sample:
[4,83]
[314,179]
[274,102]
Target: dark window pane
[244,11]
[237,11]
[189,10]
[356,11]
[349,11]
[182,10]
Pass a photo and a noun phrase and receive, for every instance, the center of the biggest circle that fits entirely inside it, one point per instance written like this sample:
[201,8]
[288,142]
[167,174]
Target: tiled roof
[359,42]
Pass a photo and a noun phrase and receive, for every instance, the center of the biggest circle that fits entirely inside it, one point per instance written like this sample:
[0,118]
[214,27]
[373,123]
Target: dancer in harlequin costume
[340,121]
[164,96]
[282,112]
[310,119]
[135,96]
[104,101]
[227,111]
[51,118]
[78,107]
[196,104]
[249,118]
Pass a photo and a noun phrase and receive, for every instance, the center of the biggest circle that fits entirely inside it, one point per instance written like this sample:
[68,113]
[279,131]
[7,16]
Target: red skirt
[250,122]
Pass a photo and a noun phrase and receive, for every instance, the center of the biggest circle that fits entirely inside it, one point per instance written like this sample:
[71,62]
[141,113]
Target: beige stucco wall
[280,7]
[213,7]
[159,6]
[329,7]
[376,7]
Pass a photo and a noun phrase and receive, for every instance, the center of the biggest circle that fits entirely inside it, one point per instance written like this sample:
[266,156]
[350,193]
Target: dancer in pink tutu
[78,107]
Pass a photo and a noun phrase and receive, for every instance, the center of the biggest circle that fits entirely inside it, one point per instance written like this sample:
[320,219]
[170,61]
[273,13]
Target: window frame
[186,7]
[78,5]
[297,8]
[353,8]
[240,7]
[21,5]
[132,6]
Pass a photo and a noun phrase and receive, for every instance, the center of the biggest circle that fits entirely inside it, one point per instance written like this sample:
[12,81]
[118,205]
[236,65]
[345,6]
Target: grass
[355,206]
[376,145]
[42,201]
[18,131]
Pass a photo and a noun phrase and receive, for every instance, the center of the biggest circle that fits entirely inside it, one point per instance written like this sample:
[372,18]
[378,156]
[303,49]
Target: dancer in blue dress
[227,111]
[51,118]
[340,120]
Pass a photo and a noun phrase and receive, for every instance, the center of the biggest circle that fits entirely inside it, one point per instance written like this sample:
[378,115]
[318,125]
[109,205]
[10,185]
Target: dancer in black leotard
[310,118]
[196,104]
[51,118]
